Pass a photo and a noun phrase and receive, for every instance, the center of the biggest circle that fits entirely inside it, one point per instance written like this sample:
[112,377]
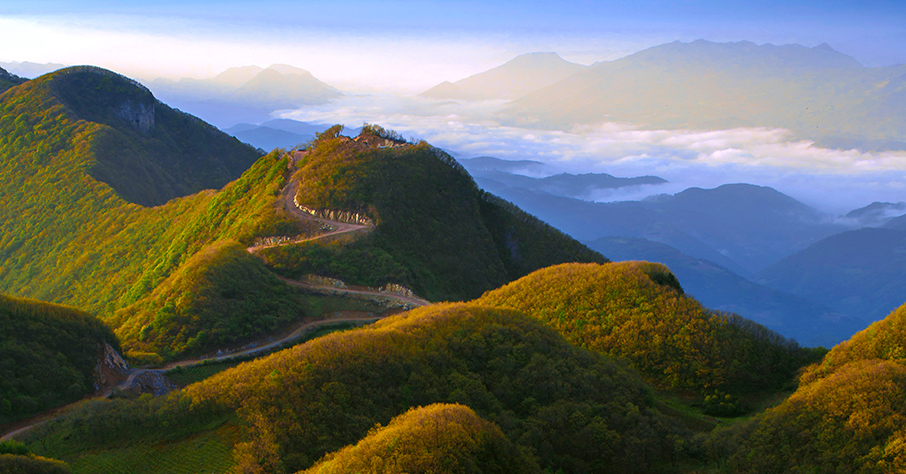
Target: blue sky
[444,39]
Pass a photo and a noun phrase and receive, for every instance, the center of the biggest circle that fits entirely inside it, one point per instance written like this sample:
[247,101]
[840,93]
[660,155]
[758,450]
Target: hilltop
[426,209]
[638,310]
[718,288]
[147,152]
[437,438]
[848,411]
[818,93]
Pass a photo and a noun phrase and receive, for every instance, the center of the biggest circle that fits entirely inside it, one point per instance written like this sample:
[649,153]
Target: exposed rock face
[153,382]
[138,114]
[347,217]
[111,369]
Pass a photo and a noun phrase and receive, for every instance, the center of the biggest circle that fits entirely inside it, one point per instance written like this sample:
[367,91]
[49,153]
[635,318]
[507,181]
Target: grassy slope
[571,409]
[48,354]
[637,310]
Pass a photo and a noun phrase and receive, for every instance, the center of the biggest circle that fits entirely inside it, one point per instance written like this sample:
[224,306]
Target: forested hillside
[8,80]
[848,414]
[437,438]
[48,354]
[175,278]
[568,408]
[638,310]
[146,151]
[430,216]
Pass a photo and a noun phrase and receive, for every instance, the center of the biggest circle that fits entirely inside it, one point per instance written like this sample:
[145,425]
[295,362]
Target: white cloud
[835,180]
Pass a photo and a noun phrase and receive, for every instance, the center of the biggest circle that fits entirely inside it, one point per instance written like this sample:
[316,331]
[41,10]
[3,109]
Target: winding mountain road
[337,227]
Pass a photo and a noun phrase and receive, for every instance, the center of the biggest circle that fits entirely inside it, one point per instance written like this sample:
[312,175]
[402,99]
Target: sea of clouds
[835,181]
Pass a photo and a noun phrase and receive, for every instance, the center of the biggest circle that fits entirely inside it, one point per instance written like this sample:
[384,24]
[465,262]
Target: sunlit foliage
[67,238]
[568,408]
[17,464]
[438,438]
[637,310]
[884,339]
[847,415]
[454,240]
[221,295]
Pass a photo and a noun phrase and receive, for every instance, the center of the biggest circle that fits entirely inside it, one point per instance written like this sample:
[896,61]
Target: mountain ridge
[816,93]
[515,78]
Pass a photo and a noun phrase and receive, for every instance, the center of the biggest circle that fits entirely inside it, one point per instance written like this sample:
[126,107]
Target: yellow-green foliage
[849,421]
[48,353]
[172,154]
[220,295]
[572,409]
[637,310]
[15,464]
[569,408]
[356,263]
[438,439]
[884,339]
[849,411]
[431,217]
[67,238]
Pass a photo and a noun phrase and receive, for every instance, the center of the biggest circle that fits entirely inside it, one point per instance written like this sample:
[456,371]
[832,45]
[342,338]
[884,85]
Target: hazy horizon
[408,47]
[383,54]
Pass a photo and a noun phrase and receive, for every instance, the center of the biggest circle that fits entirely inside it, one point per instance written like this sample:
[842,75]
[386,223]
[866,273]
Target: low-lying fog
[835,181]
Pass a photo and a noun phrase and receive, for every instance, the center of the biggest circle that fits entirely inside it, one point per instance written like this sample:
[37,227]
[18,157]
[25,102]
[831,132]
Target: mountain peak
[236,76]
[286,69]
[517,77]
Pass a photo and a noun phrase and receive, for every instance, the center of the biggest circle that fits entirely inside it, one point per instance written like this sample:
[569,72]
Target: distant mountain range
[817,93]
[277,133]
[859,272]
[740,226]
[245,94]
[516,78]
[493,173]
[30,70]
[810,323]
[741,248]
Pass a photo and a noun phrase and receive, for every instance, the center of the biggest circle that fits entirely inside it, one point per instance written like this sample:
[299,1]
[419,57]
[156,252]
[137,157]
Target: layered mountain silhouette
[245,94]
[517,77]
[859,272]
[492,173]
[718,288]
[818,93]
[277,133]
[740,226]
